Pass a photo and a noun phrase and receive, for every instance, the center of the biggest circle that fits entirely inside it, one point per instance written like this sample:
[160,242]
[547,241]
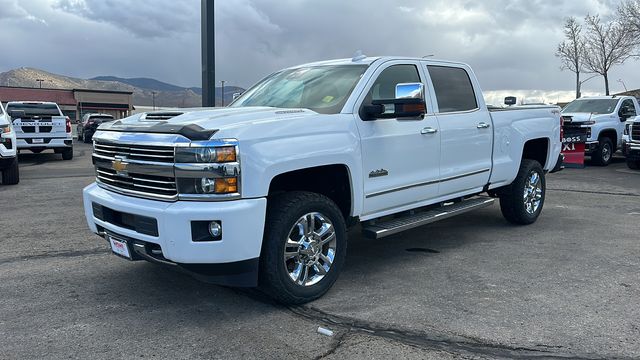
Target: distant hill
[143,88]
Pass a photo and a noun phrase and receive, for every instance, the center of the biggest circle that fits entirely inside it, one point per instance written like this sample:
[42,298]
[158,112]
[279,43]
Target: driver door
[400,157]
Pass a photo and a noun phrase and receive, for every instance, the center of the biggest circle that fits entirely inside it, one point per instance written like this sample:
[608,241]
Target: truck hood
[202,123]
[584,117]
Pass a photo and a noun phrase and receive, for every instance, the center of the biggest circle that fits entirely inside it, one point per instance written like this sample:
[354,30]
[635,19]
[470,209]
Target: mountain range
[166,95]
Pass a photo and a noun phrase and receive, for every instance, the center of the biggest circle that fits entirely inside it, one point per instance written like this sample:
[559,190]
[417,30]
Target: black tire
[633,164]
[283,212]
[11,175]
[67,154]
[512,205]
[604,153]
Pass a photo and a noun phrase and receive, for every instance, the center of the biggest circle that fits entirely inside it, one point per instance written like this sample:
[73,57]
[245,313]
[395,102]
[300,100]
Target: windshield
[35,109]
[324,89]
[595,106]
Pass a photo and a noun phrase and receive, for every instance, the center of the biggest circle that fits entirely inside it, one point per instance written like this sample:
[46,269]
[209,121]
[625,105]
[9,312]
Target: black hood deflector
[192,132]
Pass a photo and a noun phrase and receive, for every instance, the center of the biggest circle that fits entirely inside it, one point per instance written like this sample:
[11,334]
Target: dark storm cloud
[510,44]
[147,19]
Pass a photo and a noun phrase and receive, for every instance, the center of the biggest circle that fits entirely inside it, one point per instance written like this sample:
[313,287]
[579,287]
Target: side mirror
[625,113]
[16,114]
[410,91]
[394,109]
[510,100]
[236,95]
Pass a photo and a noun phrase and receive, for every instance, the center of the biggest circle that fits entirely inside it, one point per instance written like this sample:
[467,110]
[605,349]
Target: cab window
[453,88]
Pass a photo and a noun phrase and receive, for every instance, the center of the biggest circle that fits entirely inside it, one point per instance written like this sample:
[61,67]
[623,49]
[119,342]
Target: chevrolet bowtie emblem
[120,166]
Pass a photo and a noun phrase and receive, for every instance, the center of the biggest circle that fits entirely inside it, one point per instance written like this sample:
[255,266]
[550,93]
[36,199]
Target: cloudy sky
[509,43]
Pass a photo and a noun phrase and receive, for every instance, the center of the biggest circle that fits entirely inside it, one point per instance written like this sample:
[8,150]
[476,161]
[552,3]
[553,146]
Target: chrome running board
[377,230]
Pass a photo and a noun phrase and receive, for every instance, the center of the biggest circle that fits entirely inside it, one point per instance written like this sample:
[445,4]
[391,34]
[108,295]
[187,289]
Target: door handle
[428,130]
[483,125]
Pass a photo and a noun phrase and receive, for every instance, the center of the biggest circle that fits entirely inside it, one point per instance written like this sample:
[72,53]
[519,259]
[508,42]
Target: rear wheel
[633,164]
[304,247]
[11,175]
[67,154]
[522,201]
[604,153]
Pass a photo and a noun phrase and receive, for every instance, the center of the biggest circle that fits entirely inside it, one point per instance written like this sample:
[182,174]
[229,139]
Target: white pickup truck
[8,152]
[41,126]
[604,117]
[261,193]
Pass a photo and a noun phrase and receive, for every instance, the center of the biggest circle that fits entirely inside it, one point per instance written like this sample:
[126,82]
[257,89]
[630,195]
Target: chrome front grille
[635,131]
[158,185]
[138,170]
[135,152]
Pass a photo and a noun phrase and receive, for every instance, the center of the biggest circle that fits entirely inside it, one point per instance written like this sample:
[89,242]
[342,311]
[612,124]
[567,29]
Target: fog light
[215,229]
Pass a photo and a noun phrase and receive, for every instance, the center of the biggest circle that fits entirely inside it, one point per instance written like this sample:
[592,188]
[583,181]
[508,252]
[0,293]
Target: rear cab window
[453,89]
[35,109]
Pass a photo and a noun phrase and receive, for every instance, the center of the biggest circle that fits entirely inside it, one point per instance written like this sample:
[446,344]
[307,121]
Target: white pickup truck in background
[631,143]
[8,152]
[605,117]
[262,192]
[41,126]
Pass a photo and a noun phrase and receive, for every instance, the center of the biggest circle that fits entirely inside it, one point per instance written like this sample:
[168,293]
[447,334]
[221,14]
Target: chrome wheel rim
[606,152]
[310,249]
[532,192]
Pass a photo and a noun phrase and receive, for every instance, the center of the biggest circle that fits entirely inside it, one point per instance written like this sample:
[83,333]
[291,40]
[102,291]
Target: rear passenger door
[466,132]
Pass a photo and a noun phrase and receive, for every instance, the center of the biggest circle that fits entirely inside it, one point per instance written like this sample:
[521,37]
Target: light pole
[222,91]
[623,84]
[208,54]
[153,95]
[582,82]
[40,81]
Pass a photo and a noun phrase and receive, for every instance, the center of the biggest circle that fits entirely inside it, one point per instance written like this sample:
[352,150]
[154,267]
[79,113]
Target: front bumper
[8,151]
[591,146]
[233,260]
[631,151]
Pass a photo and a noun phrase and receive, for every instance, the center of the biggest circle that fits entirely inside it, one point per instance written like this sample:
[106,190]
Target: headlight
[206,154]
[208,186]
[208,171]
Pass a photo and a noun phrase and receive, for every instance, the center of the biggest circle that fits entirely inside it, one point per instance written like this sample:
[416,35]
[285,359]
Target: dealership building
[75,103]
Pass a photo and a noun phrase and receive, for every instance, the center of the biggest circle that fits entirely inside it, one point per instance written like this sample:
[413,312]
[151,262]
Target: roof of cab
[371,59]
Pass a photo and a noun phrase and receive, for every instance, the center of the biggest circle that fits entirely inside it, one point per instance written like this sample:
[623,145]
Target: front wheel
[604,153]
[522,201]
[633,164]
[304,247]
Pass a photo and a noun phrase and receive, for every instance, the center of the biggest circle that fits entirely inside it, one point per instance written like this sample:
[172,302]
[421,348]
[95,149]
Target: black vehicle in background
[89,123]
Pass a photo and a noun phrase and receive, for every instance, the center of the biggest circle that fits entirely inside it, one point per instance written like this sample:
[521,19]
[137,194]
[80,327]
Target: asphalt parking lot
[567,286]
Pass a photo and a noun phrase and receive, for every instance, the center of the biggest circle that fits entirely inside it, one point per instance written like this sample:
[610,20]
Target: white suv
[8,155]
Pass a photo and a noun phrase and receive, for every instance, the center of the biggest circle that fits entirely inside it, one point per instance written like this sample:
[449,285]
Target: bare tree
[606,45]
[629,14]
[571,51]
